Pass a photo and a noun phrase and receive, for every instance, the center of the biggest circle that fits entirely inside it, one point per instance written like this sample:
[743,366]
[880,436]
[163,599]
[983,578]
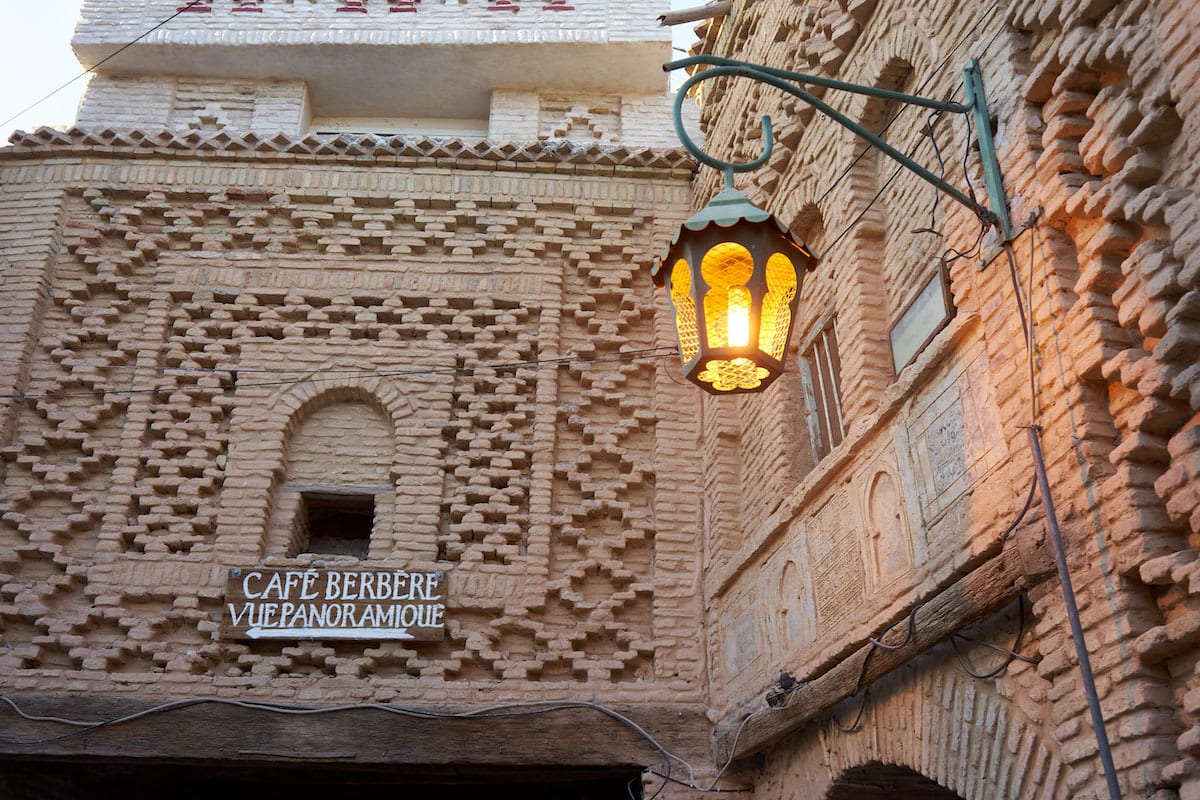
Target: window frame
[820,375]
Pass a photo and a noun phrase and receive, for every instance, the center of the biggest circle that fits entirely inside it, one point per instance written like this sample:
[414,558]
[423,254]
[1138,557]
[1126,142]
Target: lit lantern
[733,274]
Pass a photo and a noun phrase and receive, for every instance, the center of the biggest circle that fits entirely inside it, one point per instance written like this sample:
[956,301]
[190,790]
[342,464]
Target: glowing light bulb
[739,317]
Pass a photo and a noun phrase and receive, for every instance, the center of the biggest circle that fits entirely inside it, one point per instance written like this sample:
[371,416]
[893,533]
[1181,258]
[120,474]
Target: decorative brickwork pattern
[226,364]
[67,438]
[487,443]
[224,146]
[1097,128]
[1110,135]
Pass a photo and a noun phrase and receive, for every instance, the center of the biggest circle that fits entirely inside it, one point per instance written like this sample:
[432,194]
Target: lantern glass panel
[726,268]
[776,308]
[685,310]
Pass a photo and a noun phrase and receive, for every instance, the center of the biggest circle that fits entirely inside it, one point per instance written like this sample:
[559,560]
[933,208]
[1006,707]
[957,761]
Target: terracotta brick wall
[1097,132]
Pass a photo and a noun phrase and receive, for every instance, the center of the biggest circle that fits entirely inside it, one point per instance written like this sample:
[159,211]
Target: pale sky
[36,59]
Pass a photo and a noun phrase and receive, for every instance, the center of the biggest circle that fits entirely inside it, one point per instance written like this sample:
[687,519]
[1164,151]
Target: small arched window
[338,490]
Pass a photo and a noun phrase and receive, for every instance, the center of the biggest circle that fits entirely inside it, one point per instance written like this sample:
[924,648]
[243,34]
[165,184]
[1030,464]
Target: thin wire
[877,644]
[857,219]
[629,356]
[102,61]
[732,753]
[699,788]
[1013,653]
[936,72]
[501,711]
[912,152]
[930,121]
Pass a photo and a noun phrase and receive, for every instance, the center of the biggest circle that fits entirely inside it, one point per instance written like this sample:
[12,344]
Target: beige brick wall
[217,332]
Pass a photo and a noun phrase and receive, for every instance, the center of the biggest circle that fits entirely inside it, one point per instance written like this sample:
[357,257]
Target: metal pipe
[1064,578]
[695,14]
[973,84]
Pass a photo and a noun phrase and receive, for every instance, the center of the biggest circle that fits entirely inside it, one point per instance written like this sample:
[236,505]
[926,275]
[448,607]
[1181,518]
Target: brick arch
[257,457]
[956,731]
[288,408]
[302,399]
[901,56]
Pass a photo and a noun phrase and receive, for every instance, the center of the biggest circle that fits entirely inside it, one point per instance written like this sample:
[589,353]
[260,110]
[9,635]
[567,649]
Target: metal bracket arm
[790,82]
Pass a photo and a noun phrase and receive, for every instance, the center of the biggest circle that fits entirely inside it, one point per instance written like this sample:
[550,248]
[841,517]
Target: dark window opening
[338,524]
[886,782]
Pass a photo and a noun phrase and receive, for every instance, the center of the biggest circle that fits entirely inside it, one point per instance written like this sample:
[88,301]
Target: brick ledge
[359,147]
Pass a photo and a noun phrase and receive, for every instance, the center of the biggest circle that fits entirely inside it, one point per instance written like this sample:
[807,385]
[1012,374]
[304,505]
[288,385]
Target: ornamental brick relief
[1115,261]
[192,368]
[1098,132]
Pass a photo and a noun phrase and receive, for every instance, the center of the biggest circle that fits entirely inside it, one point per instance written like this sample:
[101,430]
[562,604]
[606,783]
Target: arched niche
[336,494]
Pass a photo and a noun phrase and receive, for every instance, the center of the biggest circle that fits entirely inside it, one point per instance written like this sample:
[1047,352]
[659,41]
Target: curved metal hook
[784,83]
[699,154]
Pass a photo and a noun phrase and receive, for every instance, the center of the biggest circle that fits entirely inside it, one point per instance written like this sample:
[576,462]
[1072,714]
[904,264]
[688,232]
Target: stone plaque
[360,604]
[928,313]
[837,566]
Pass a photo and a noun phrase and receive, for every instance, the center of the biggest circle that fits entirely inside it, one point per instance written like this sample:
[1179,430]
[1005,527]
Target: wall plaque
[837,563]
[360,604]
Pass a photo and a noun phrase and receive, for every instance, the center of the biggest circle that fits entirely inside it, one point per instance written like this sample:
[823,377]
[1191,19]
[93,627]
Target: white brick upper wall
[585,70]
[307,22]
[441,61]
[126,103]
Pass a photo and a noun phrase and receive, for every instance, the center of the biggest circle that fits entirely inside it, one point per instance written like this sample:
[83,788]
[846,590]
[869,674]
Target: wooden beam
[696,14]
[208,731]
[983,591]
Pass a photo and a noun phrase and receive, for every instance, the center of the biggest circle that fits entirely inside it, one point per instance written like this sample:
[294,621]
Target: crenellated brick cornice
[557,154]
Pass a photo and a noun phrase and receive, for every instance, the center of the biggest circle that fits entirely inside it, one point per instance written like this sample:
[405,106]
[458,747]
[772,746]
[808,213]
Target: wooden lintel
[363,737]
[719,9]
[983,591]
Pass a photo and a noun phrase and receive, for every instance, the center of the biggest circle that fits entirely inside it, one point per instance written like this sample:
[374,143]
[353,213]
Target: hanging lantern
[733,274]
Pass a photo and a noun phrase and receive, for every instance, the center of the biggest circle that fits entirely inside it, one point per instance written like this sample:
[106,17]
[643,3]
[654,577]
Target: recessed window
[338,524]
[821,370]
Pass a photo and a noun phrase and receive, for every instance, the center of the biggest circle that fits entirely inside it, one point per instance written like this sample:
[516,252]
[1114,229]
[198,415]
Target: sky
[36,59]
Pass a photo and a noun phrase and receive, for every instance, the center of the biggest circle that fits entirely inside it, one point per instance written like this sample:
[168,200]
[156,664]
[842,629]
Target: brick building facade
[312,267]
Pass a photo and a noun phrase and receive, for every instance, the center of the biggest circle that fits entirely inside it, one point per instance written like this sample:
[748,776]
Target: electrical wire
[1012,654]
[500,711]
[334,375]
[101,62]
[930,121]
[709,790]
[858,218]
[877,643]
[887,126]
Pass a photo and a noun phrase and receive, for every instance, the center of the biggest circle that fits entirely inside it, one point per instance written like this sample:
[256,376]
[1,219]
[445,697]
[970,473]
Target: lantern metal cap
[725,210]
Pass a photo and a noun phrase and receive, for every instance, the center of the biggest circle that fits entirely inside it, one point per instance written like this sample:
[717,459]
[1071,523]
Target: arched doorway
[879,780]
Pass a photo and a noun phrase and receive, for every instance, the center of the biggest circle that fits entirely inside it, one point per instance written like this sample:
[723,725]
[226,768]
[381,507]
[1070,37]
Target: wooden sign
[267,603]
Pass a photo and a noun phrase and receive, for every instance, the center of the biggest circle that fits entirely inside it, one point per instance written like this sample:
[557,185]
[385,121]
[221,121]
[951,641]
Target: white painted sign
[269,603]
